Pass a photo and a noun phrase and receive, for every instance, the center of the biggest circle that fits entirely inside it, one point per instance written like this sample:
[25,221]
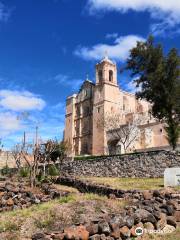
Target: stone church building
[93,102]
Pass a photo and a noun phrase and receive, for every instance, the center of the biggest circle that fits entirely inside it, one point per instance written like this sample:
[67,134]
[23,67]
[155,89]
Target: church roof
[106,59]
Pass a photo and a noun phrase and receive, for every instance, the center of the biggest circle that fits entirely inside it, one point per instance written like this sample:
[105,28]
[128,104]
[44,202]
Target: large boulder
[142,215]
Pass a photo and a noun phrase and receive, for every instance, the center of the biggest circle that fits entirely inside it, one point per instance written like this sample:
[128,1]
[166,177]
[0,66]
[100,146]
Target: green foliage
[67,199]
[9,226]
[5,170]
[53,171]
[173,130]
[158,75]
[24,172]
[59,151]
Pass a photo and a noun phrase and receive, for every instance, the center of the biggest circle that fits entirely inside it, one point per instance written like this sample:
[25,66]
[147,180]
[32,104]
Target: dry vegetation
[75,208]
[56,214]
[128,183]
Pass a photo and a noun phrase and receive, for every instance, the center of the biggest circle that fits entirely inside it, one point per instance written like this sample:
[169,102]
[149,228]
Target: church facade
[93,102]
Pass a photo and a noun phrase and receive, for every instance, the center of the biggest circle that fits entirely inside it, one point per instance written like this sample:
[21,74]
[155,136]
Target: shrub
[24,172]
[67,199]
[53,171]
[5,170]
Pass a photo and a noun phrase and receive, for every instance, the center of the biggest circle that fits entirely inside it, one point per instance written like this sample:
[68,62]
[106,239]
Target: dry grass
[128,183]
[170,236]
[75,208]
[56,215]
[65,188]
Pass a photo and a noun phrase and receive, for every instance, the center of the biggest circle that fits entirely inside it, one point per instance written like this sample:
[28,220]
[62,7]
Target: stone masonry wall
[6,158]
[147,164]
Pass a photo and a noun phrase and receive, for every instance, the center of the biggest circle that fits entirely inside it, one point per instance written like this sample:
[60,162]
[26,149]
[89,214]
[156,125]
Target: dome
[106,59]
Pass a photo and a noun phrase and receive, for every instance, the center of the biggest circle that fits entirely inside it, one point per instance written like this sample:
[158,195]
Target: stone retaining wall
[147,164]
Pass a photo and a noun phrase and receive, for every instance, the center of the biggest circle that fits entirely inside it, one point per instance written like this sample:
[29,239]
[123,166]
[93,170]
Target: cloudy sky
[47,47]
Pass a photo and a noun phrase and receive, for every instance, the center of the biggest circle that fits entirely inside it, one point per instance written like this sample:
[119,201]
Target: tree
[60,152]
[159,81]
[16,153]
[124,132]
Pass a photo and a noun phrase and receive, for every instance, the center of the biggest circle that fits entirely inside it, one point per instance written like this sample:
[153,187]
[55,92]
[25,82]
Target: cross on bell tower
[106,71]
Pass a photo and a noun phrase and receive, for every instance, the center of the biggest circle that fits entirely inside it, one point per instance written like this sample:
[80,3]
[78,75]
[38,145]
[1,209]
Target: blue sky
[48,47]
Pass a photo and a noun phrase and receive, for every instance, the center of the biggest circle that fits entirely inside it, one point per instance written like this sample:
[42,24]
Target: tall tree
[126,133]
[159,81]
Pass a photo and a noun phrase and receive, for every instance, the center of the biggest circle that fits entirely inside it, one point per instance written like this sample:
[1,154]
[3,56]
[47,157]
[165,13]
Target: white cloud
[131,86]
[118,51]
[9,123]
[111,35]
[4,12]
[168,11]
[20,101]
[67,81]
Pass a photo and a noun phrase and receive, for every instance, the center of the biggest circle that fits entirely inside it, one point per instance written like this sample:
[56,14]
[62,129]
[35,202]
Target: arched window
[100,75]
[110,75]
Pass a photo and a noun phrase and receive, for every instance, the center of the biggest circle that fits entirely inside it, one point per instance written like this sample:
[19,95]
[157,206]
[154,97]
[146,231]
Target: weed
[67,199]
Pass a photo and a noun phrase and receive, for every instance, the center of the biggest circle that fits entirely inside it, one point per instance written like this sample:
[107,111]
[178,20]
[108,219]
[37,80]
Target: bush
[24,172]
[5,170]
[53,171]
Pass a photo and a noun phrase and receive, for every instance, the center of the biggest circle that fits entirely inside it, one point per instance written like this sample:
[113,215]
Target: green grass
[68,199]
[66,210]
[128,183]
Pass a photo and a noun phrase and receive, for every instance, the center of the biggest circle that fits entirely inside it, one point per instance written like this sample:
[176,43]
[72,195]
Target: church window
[98,109]
[110,75]
[100,75]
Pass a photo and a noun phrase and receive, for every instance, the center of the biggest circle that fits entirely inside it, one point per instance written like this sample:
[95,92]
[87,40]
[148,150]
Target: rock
[9,187]
[59,236]
[10,202]
[156,193]
[79,232]
[169,209]
[177,216]
[171,221]
[157,215]
[38,236]
[149,226]
[162,222]
[173,203]
[109,238]
[147,195]
[142,215]
[103,237]
[36,201]
[112,196]
[115,234]
[95,237]
[115,223]
[2,194]
[129,221]
[133,231]
[125,232]
[92,229]
[103,227]
[168,229]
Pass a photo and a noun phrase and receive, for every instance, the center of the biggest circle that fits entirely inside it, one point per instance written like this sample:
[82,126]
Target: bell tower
[106,72]
[106,98]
